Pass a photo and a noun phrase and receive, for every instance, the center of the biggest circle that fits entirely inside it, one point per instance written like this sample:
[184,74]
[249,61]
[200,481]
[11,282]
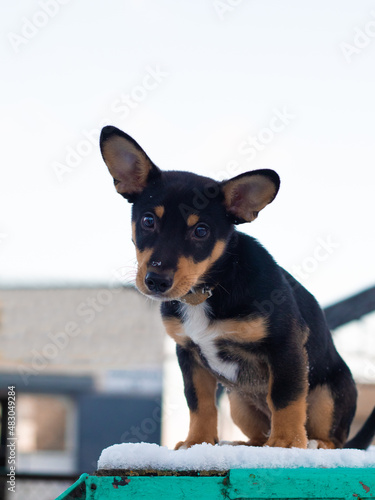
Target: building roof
[77,331]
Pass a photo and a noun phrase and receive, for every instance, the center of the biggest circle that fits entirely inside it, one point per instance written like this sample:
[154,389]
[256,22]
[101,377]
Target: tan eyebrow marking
[159,210]
[192,220]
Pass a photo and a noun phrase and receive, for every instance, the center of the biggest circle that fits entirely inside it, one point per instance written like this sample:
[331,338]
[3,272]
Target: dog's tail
[365,435]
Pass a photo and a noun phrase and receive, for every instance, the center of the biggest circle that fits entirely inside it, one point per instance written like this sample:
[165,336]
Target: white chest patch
[197,327]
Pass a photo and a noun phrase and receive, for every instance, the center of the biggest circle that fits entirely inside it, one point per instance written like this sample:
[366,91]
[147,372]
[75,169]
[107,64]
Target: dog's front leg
[286,399]
[200,392]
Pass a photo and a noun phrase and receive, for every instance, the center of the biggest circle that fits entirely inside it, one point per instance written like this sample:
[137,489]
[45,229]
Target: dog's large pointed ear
[128,164]
[247,194]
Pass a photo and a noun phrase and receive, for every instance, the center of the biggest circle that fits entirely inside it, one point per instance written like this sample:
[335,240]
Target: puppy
[286,382]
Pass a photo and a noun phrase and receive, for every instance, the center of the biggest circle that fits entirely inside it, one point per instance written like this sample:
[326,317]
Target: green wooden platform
[300,483]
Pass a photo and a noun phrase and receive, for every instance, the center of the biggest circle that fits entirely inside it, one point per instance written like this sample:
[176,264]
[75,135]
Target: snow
[222,457]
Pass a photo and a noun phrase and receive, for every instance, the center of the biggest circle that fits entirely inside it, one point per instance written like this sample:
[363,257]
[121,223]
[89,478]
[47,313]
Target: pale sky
[214,87]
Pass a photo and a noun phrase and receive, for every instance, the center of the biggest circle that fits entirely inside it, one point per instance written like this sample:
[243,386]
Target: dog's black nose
[158,282]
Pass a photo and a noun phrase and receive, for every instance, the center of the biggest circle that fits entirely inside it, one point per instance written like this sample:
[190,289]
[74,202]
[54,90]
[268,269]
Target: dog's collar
[197,295]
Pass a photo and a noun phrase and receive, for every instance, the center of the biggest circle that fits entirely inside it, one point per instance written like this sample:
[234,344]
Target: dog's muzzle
[158,283]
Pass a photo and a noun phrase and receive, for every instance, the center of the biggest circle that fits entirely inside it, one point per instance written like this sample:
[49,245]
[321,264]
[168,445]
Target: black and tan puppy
[287,384]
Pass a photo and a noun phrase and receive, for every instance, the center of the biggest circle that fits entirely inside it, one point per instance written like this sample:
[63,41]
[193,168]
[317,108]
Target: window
[46,433]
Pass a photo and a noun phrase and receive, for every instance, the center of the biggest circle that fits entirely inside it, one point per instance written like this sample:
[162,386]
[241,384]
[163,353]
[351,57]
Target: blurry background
[216,87]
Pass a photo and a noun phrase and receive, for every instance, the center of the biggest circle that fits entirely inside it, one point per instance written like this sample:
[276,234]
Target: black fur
[186,362]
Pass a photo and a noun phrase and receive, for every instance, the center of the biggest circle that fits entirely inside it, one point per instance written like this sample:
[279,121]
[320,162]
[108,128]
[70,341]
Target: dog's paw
[184,445]
[287,442]
[234,443]
[315,444]
[312,444]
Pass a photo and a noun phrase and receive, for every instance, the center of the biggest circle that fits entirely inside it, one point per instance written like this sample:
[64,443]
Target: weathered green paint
[302,483]
[76,491]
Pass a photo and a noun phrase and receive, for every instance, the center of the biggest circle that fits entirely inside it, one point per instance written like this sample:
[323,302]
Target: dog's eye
[148,221]
[201,231]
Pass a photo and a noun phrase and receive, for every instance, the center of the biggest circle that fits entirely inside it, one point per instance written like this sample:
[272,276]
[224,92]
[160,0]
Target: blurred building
[86,364]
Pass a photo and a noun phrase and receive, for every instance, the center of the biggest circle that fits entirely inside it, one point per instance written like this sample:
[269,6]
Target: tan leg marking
[320,416]
[288,425]
[252,422]
[203,421]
